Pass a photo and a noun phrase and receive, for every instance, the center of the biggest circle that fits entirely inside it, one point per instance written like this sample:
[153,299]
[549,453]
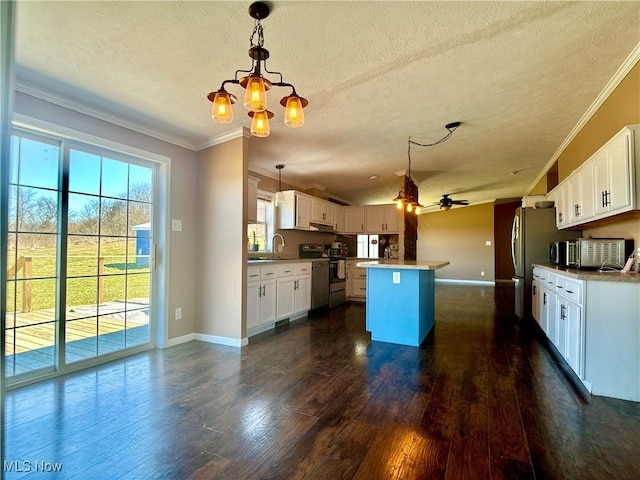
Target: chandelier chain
[438,142]
[257,30]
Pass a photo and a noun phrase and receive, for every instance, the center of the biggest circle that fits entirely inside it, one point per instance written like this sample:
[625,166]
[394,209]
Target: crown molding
[622,72]
[37,92]
[225,137]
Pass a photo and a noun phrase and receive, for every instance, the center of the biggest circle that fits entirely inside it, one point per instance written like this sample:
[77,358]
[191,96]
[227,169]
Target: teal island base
[400,300]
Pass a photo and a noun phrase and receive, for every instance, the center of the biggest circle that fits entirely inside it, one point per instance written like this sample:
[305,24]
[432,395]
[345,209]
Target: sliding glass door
[80,254]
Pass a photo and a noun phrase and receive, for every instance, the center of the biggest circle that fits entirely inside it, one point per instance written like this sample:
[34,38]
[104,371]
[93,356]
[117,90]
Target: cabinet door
[535,302]
[354,219]
[303,211]
[562,205]
[349,282]
[254,295]
[561,331]
[586,198]
[619,172]
[600,181]
[375,221]
[573,353]
[268,302]
[338,219]
[329,213]
[302,293]
[573,199]
[285,303]
[392,219]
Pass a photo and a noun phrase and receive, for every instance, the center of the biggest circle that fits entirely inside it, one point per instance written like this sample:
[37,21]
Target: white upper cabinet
[382,218]
[322,212]
[613,172]
[604,185]
[339,219]
[295,213]
[354,219]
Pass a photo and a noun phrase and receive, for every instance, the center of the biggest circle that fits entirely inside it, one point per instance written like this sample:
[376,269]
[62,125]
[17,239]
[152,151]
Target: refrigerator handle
[514,239]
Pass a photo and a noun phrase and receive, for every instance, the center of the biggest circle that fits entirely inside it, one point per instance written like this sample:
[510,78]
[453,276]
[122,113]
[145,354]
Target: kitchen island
[401,299]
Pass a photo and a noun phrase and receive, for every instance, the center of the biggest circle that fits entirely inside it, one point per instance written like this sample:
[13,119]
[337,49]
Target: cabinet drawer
[302,268]
[253,274]
[360,287]
[351,264]
[286,269]
[268,272]
[570,289]
[550,280]
[360,273]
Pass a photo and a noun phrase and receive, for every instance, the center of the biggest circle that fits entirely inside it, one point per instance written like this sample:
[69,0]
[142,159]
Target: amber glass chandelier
[408,195]
[256,86]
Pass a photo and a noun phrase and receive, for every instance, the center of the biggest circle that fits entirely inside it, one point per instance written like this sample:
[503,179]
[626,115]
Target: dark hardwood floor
[481,399]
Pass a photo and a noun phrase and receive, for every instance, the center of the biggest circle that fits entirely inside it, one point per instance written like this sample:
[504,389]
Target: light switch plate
[488,243]
[176,225]
[396,277]
[178,315]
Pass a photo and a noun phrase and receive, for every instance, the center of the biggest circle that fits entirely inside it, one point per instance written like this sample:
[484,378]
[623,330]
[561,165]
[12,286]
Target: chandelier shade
[256,85]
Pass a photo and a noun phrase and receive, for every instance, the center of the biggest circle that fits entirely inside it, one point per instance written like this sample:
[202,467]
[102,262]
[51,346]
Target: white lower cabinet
[294,289]
[261,296]
[559,313]
[356,281]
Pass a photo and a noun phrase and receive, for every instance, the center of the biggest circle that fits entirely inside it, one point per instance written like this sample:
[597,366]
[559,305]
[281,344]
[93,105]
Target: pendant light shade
[255,95]
[260,123]
[222,112]
[294,110]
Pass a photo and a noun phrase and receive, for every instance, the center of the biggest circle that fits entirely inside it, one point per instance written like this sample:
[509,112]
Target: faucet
[273,243]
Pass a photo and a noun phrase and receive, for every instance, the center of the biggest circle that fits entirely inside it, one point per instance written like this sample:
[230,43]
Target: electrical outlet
[488,243]
[482,274]
[396,277]
[178,315]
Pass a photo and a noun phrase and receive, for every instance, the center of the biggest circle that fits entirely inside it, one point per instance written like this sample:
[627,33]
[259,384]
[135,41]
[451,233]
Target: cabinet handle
[534,290]
[604,201]
[569,291]
[560,216]
[362,227]
[544,298]
[607,195]
[562,314]
[259,291]
[559,286]
[263,293]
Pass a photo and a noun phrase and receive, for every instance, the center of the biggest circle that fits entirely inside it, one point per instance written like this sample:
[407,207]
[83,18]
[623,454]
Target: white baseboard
[465,282]
[172,342]
[231,342]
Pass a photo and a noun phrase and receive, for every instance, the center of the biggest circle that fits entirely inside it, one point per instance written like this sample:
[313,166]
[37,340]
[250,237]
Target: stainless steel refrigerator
[532,231]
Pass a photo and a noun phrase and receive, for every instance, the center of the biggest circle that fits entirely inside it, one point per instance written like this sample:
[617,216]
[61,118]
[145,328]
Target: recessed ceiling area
[518,75]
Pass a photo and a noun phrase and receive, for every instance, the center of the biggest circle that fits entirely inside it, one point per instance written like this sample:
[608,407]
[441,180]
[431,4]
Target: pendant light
[408,195]
[256,86]
[279,193]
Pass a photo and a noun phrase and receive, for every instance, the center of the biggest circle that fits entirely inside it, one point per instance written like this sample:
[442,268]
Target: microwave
[558,253]
[598,252]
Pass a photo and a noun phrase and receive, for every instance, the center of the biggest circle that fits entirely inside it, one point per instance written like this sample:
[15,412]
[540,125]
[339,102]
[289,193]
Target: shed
[143,244]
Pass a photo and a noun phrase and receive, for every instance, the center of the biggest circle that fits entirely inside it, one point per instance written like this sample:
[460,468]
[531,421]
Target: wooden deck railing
[26,264]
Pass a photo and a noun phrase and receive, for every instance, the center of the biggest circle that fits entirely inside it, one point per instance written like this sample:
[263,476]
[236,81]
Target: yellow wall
[222,254]
[540,188]
[459,236]
[620,109]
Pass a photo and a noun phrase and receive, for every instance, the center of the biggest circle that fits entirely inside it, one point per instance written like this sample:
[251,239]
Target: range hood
[319,227]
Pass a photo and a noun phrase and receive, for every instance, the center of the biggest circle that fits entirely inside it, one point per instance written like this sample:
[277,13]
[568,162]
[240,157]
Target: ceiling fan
[446,202]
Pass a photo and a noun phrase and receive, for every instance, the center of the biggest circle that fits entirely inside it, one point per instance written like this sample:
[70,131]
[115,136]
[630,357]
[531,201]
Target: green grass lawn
[122,278]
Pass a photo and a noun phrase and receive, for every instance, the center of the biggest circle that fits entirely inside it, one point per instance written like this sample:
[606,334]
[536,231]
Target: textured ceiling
[519,75]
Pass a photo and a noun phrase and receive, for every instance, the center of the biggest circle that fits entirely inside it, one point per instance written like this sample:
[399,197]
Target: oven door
[337,271]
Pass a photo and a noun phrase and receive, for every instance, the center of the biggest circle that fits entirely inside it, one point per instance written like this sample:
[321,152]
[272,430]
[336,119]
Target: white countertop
[404,264]
[592,275]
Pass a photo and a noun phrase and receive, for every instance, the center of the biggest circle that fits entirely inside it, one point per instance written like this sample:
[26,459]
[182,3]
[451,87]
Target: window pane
[111,334]
[81,340]
[84,172]
[39,254]
[138,290]
[82,256]
[113,251]
[37,210]
[139,219]
[38,164]
[115,178]
[140,183]
[37,297]
[13,208]
[82,294]
[34,347]
[84,214]
[113,294]
[113,217]
[139,253]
